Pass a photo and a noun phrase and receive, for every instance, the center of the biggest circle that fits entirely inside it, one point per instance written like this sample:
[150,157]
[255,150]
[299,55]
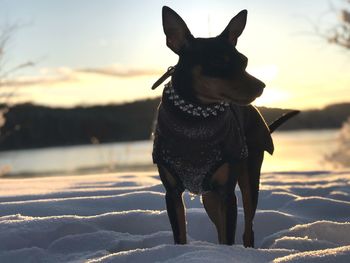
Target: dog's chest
[192,147]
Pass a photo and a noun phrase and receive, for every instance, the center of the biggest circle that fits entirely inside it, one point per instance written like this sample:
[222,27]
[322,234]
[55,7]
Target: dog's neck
[189,108]
[182,83]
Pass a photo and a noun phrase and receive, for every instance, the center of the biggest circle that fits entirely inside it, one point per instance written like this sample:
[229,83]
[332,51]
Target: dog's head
[210,69]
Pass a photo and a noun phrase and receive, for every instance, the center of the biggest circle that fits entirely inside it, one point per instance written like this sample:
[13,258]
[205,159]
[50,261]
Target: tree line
[33,126]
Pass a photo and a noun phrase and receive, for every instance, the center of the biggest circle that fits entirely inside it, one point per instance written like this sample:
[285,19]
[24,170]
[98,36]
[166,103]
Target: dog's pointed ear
[235,28]
[175,29]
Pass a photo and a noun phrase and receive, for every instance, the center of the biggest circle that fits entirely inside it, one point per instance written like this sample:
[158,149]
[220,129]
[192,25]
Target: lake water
[294,151]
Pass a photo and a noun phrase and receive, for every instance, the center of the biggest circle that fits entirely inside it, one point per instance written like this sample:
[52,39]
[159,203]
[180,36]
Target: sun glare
[272,97]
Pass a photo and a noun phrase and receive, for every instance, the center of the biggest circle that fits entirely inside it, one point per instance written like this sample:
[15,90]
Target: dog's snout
[258,86]
[261,84]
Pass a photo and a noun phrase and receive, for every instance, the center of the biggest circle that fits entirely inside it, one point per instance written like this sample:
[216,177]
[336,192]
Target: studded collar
[192,109]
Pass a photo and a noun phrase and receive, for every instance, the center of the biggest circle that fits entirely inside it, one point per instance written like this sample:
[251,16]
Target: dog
[208,137]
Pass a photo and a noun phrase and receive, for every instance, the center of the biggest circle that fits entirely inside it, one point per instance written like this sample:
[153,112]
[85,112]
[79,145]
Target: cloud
[123,72]
[32,81]
[47,77]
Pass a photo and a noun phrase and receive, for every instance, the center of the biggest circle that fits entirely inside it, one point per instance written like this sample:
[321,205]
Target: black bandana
[193,141]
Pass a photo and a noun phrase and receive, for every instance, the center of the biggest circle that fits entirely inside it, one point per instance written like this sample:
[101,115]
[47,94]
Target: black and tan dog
[208,137]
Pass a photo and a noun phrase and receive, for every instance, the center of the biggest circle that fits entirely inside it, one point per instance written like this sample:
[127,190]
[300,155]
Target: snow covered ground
[302,217]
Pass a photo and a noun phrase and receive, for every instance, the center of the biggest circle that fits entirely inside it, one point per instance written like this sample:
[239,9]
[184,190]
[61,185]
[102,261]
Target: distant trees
[6,93]
[33,126]
[4,37]
[42,126]
[339,34]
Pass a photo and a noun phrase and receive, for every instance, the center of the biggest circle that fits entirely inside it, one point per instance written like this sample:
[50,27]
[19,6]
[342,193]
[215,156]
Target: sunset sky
[109,51]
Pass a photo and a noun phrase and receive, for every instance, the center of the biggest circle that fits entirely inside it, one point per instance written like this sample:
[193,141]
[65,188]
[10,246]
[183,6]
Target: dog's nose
[256,83]
[261,84]
[259,87]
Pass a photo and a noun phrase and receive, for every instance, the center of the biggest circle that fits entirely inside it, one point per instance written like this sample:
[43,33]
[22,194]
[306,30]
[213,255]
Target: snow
[121,217]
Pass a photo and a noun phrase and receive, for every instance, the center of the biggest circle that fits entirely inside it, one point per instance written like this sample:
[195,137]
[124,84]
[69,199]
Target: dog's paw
[248,239]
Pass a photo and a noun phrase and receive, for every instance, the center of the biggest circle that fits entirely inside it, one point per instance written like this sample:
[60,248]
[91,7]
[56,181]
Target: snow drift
[301,217]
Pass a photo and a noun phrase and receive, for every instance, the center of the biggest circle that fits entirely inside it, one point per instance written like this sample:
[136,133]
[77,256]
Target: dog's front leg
[221,207]
[176,214]
[245,184]
[174,205]
[221,203]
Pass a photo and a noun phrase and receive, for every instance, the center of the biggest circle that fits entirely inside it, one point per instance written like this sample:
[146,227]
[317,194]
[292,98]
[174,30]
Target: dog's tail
[285,117]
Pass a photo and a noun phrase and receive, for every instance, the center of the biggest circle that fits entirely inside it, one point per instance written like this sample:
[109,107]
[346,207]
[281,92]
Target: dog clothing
[193,141]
